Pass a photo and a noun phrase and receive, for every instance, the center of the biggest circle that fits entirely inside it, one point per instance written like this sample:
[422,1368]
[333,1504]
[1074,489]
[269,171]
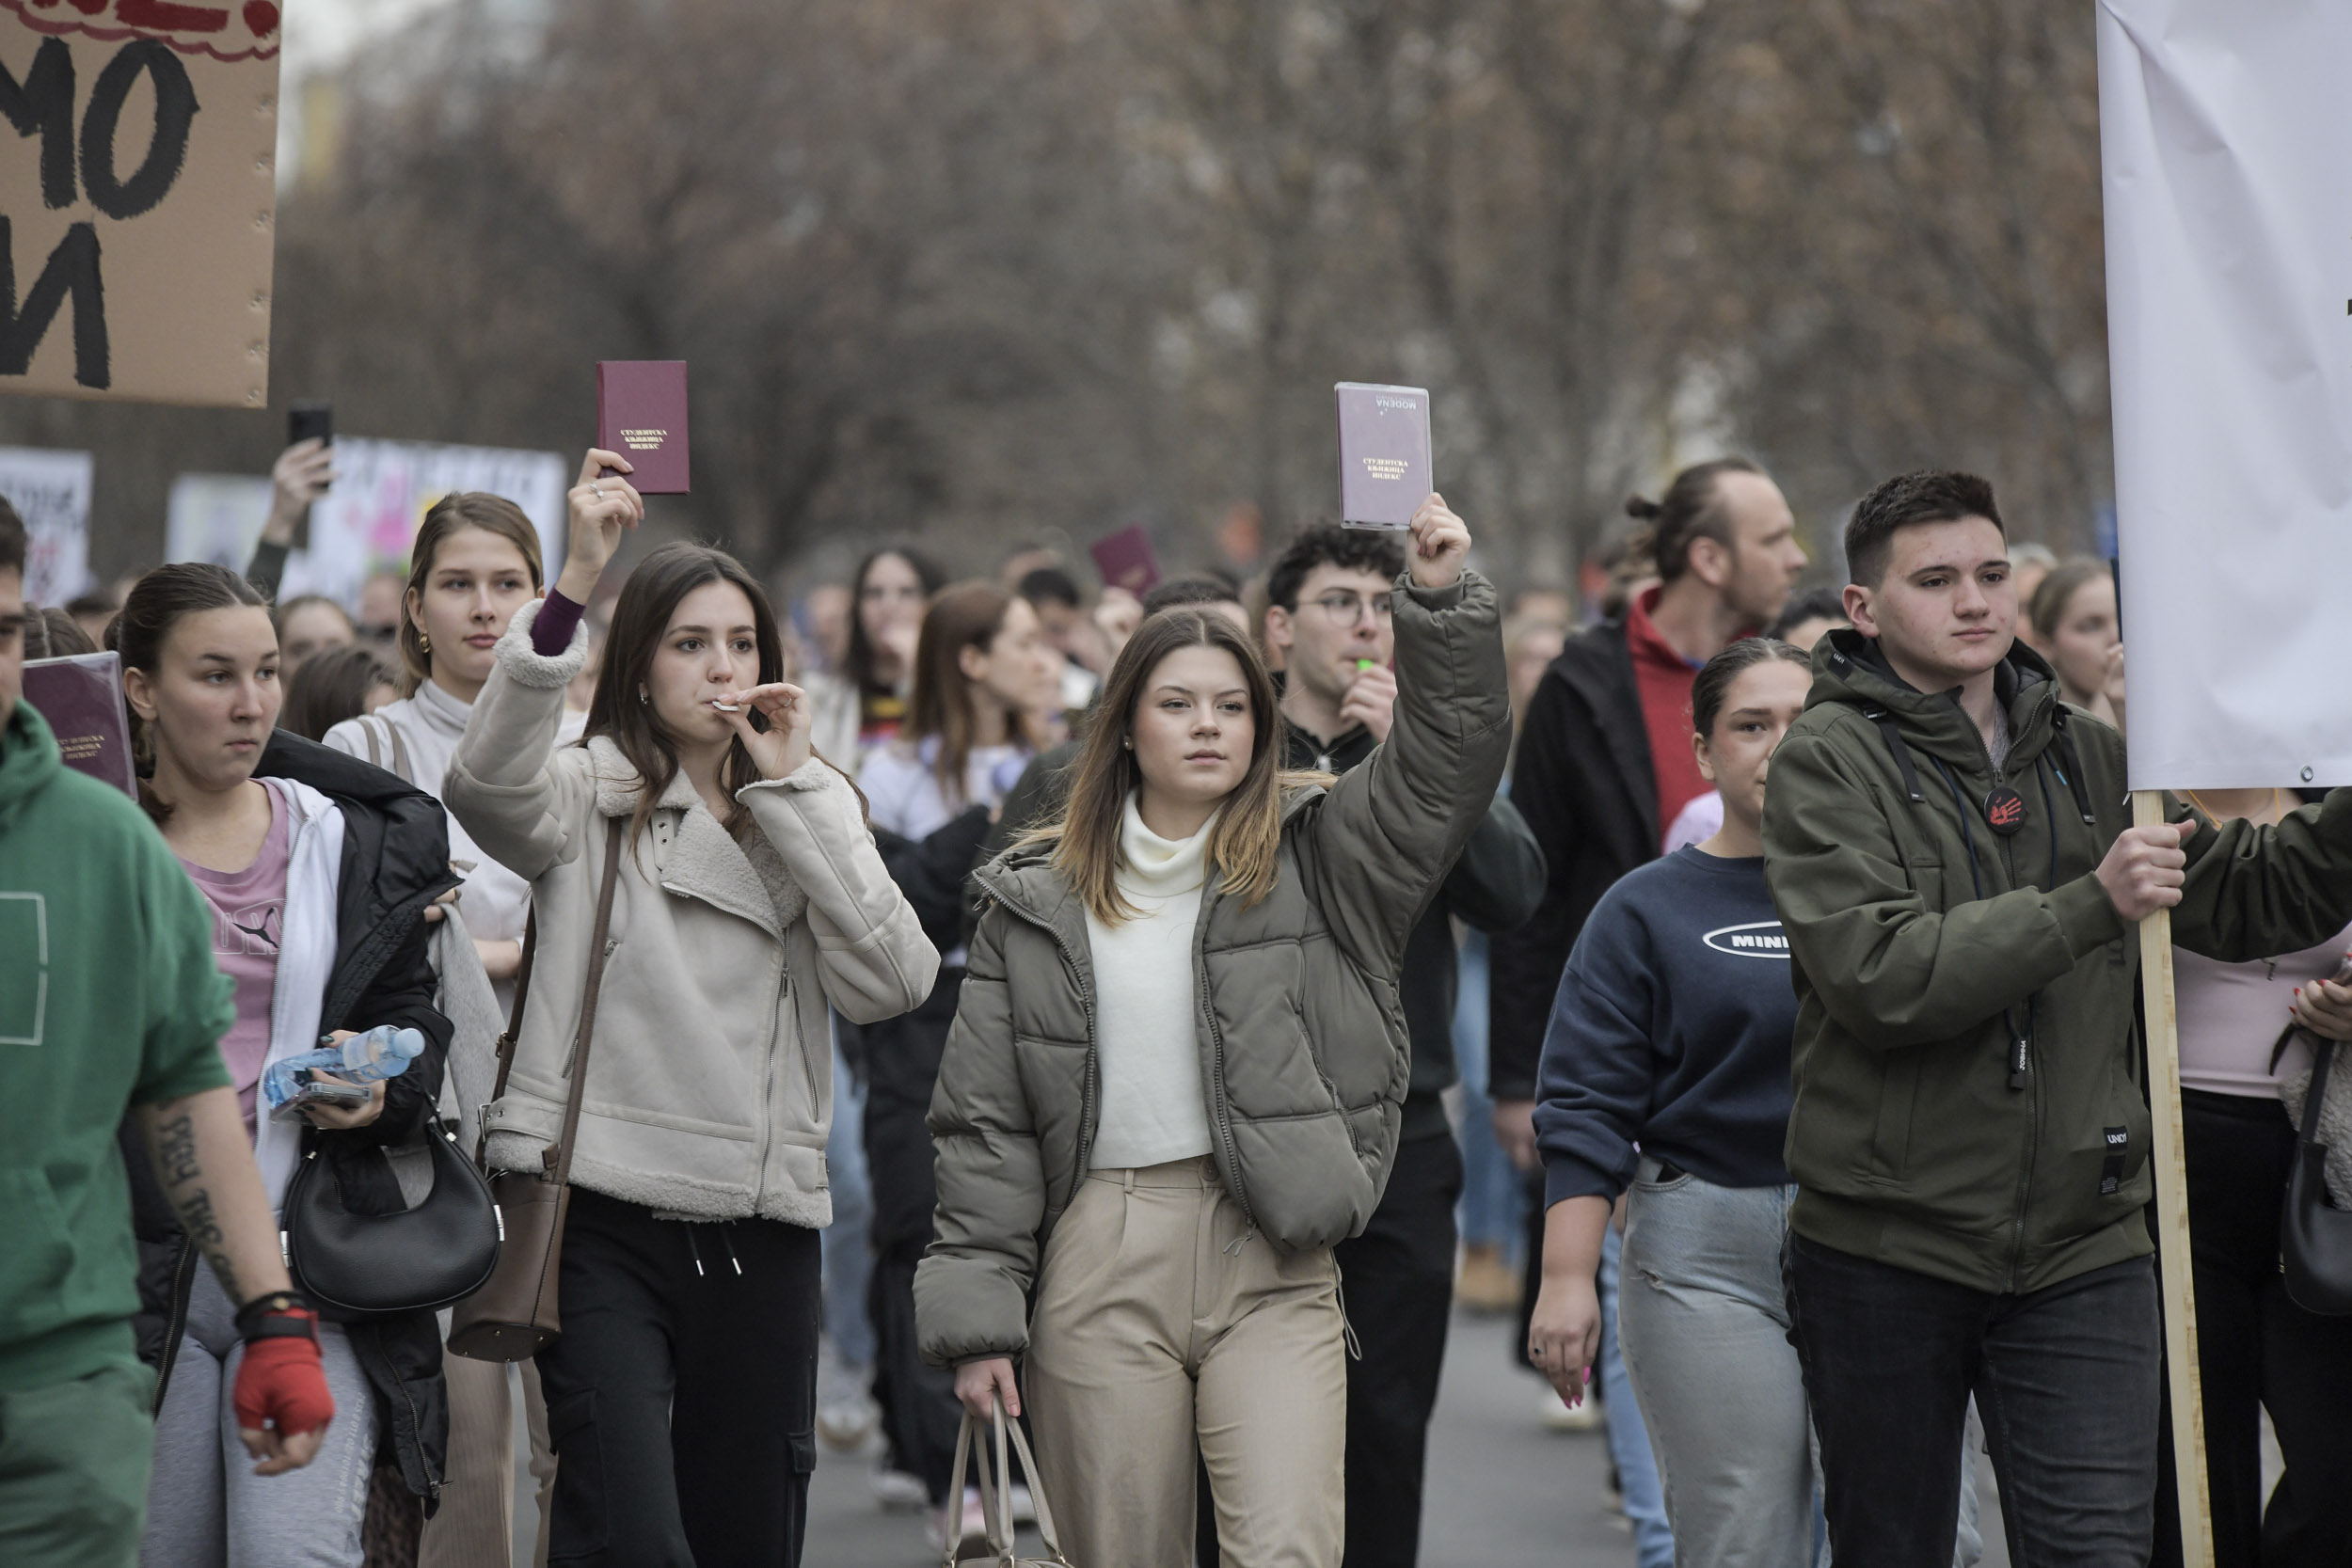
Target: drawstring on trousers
[726,1239]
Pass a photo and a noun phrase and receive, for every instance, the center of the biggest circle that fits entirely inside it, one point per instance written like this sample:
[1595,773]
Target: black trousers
[682,1396]
[1398,1279]
[2256,1350]
[2065,1378]
[919,1413]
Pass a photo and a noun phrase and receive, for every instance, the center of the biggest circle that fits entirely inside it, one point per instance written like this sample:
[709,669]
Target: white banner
[50,490]
[2227,136]
[365,524]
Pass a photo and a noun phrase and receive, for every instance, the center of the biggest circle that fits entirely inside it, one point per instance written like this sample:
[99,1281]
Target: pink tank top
[248,915]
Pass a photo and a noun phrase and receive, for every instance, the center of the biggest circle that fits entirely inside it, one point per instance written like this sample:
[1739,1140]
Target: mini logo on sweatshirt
[1761,939]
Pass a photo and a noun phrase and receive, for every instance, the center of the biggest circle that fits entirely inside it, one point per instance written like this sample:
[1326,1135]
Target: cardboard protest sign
[50,491]
[2227,141]
[137,198]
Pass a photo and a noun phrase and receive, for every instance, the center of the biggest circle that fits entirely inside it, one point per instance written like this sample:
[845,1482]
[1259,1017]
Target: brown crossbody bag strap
[516,1314]
[557,1157]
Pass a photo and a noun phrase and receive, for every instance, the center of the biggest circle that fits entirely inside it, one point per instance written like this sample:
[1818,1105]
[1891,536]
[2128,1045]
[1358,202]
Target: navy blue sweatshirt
[1671,1030]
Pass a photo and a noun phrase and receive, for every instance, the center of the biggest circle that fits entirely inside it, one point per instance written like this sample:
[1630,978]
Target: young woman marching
[1672,1033]
[319,872]
[1175,1082]
[749,895]
[476,561]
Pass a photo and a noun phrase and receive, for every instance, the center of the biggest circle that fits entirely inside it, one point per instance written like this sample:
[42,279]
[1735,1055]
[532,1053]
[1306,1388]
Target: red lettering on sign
[166,16]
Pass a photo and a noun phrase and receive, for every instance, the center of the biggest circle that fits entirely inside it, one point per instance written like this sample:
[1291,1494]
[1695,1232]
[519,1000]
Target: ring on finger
[597,490]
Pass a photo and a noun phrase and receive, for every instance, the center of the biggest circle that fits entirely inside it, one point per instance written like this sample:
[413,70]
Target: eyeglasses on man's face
[1343,609]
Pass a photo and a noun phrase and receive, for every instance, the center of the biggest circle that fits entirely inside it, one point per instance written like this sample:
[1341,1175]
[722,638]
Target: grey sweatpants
[205,1507]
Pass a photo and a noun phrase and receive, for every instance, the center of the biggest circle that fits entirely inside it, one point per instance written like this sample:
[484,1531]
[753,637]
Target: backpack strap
[1893,733]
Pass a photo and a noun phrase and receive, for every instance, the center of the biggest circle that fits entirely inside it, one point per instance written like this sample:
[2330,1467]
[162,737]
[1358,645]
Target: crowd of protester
[1152,1017]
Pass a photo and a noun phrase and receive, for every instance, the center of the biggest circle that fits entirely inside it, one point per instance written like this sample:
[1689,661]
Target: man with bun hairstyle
[110,1003]
[1604,760]
[1949,848]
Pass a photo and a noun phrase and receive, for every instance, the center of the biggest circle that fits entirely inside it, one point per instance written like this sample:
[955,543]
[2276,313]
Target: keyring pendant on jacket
[2005,809]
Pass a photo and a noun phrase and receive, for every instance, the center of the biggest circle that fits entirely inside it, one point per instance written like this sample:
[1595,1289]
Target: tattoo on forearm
[176,1161]
[175,1152]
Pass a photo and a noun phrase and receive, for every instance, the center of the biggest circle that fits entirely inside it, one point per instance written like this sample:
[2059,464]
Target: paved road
[1504,1491]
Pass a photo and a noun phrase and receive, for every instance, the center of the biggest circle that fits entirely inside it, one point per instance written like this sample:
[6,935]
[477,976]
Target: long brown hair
[641,615]
[1248,837]
[458,509]
[946,700]
[156,603]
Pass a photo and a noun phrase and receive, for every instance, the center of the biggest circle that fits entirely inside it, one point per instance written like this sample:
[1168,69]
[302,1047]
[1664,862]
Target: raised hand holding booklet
[640,414]
[1385,468]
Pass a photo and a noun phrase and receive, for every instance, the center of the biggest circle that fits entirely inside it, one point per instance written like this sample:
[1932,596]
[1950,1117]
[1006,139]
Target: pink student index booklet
[1385,469]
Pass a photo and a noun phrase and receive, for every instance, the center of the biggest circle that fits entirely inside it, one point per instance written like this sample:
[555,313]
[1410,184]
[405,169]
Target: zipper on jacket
[176,1321]
[1220,1115]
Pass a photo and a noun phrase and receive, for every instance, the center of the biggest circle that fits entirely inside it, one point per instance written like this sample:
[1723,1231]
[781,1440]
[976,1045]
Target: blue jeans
[2066,1378]
[1493,1209]
[1629,1439]
[849,1255]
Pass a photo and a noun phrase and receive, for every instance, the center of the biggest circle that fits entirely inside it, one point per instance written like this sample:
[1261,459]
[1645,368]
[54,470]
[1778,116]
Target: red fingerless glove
[282,1381]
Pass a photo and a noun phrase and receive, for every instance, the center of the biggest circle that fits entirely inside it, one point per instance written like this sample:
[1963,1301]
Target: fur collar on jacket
[695,854]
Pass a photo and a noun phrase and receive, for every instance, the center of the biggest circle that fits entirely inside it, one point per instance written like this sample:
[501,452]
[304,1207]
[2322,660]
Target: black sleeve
[1527,962]
[930,872]
[267,569]
[1498,881]
[402,996]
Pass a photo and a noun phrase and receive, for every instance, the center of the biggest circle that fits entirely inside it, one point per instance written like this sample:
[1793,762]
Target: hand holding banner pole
[2173,1255]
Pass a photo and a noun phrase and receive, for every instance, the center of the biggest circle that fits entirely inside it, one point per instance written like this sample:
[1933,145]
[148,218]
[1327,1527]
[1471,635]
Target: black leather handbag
[421,1258]
[2315,1236]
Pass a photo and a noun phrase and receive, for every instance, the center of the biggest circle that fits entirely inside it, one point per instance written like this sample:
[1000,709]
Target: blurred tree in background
[988,270]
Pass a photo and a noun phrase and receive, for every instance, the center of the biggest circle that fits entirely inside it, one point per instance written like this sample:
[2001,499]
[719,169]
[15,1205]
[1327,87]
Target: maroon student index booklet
[80,698]
[640,414]
[1385,469]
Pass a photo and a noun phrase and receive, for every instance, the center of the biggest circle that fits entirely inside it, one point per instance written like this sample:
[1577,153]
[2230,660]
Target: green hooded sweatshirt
[1968,1095]
[109,998]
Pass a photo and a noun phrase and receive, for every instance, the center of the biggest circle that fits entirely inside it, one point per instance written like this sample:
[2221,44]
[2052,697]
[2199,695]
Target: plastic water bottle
[384,1052]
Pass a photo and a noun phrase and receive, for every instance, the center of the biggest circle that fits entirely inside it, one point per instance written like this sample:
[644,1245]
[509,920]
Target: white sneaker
[845,1426]
[973,1520]
[897,1491]
[1557,1416]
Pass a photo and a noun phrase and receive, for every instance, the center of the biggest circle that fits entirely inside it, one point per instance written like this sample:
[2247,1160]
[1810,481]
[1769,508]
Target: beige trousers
[474,1527]
[1158,1327]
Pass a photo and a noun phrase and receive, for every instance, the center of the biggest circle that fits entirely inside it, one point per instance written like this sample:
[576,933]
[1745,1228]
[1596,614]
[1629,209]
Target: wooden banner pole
[2173,1253]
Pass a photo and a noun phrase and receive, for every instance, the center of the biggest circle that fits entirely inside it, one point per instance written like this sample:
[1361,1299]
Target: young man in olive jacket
[1949,850]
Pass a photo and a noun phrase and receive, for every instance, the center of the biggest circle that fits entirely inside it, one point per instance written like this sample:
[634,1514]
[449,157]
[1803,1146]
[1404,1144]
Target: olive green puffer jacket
[1304,1055]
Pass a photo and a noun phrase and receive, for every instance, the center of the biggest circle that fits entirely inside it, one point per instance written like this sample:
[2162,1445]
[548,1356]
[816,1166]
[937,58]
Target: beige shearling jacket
[709,1090]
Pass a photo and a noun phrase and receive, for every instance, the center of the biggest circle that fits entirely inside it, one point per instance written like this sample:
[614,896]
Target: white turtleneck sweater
[1154,1109]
